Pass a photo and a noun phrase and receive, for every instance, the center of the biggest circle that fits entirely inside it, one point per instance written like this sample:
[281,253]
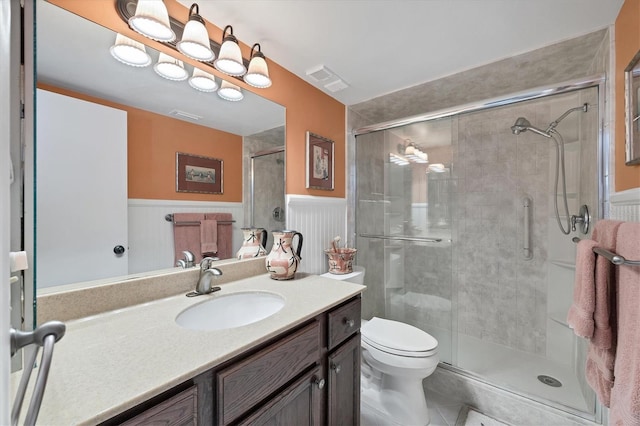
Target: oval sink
[229,311]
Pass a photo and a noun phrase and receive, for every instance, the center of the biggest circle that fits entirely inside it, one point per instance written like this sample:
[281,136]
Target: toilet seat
[398,338]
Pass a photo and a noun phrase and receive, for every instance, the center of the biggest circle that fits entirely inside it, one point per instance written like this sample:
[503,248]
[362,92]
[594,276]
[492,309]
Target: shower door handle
[526,232]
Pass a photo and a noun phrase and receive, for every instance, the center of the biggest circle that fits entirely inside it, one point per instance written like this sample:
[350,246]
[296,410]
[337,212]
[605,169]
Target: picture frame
[320,162]
[195,173]
[632,110]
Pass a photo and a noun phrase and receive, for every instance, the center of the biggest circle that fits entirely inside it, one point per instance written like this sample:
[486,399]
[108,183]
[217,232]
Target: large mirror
[73,57]
[632,110]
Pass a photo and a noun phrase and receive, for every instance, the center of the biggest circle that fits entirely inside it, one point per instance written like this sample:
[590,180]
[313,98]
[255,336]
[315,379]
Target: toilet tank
[357,276]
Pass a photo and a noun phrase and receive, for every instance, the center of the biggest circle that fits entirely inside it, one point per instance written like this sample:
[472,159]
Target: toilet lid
[398,338]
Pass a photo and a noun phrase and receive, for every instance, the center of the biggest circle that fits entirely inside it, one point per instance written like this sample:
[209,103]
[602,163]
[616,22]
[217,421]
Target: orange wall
[307,108]
[152,143]
[627,44]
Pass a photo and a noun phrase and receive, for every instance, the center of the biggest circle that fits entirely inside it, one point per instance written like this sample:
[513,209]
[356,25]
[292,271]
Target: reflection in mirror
[632,110]
[160,117]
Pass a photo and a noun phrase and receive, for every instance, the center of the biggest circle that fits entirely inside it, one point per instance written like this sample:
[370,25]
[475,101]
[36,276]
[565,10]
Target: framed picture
[319,162]
[195,173]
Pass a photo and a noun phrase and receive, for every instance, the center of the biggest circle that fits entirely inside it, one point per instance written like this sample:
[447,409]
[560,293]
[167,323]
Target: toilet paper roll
[18,261]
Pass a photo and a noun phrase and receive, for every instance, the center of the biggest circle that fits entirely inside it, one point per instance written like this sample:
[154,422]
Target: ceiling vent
[336,86]
[184,114]
[320,73]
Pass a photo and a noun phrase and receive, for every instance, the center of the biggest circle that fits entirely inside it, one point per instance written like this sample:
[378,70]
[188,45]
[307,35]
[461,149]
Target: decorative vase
[341,260]
[282,262]
[252,243]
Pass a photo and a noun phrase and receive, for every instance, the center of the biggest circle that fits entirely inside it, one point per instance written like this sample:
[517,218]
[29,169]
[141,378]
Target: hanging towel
[208,237]
[625,396]
[186,234]
[605,233]
[225,232]
[592,314]
[580,316]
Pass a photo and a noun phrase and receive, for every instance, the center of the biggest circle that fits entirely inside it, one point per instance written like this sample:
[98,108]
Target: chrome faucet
[188,261]
[207,274]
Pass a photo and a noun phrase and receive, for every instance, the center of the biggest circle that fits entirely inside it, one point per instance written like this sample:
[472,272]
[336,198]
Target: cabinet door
[300,404]
[344,384]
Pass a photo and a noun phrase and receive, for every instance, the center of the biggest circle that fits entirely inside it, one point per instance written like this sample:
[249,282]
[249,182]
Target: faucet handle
[181,263]
[206,262]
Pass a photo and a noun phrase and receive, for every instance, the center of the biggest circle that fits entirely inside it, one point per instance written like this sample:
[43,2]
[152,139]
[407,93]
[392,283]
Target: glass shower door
[404,227]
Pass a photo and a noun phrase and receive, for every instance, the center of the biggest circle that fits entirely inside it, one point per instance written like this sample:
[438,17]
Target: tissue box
[341,260]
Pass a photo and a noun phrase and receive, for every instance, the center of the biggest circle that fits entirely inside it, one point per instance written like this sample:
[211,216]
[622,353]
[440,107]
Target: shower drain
[550,381]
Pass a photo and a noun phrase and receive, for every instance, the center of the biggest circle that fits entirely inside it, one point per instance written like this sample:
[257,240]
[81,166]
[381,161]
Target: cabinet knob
[349,322]
[336,367]
[118,250]
[319,383]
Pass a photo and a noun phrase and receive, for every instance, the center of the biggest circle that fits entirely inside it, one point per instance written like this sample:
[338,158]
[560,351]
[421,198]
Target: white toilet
[396,357]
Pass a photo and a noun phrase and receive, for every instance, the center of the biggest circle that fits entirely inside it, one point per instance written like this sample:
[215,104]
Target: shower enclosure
[267,191]
[456,226]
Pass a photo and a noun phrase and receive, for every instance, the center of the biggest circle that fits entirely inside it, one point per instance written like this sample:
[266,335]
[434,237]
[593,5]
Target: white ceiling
[381,46]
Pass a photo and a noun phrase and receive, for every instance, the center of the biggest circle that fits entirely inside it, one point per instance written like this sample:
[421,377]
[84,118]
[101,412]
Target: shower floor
[519,371]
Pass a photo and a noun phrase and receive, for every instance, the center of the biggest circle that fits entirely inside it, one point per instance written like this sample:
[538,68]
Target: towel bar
[169,218]
[614,258]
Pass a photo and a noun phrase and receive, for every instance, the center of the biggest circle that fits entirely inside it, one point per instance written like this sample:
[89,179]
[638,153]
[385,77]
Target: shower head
[522,124]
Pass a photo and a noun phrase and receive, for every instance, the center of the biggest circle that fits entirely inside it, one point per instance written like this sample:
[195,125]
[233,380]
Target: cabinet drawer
[245,384]
[179,410]
[343,322]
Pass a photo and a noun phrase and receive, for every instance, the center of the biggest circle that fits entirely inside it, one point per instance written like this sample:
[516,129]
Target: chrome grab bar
[403,238]
[46,336]
[526,243]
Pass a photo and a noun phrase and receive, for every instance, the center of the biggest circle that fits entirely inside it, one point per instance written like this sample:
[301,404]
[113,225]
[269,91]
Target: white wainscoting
[625,205]
[319,220]
[151,236]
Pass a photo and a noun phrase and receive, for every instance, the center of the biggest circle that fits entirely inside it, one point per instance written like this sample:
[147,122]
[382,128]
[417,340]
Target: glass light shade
[170,68]
[230,92]
[437,167]
[230,59]
[203,81]
[130,52]
[195,41]
[258,73]
[152,20]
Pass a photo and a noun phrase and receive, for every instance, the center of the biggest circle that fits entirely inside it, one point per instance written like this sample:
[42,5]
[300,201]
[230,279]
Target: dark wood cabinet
[300,404]
[309,375]
[343,400]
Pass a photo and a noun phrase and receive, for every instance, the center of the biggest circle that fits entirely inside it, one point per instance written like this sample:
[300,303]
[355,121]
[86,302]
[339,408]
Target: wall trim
[180,203]
[295,198]
[630,197]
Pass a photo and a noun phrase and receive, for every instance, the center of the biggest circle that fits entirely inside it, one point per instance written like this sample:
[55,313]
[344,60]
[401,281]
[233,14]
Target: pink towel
[187,236]
[625,396]
[225,232]
[592,313]
[580,316]
[605,233]
[208,237]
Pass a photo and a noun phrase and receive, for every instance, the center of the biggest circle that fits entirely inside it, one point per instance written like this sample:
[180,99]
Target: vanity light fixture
[258,73]
[151,19]
[203,81]
[130,52]
[415,154]
[195,38]
[437,167]
[230,58]
[398,159]
[230,92]
[170,68]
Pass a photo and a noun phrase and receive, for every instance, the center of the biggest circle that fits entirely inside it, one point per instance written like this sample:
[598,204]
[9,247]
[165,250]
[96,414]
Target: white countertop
[108,363]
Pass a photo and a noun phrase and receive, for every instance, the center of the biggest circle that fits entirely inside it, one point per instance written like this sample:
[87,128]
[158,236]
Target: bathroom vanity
[307,375]
[135,365]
